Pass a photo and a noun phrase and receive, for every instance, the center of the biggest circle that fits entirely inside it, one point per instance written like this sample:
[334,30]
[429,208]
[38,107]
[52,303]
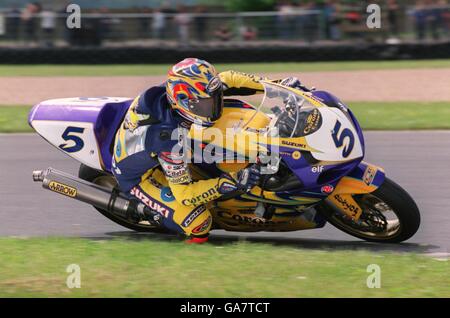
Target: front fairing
[318,143]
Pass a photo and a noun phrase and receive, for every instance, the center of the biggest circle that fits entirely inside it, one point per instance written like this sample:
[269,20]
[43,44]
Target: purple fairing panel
[78,113]
[316,176]
[106,126]
[105,116]
[358,173]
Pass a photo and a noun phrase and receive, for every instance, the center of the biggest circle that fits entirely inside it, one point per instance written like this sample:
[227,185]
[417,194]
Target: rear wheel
[106,180]
[389,215]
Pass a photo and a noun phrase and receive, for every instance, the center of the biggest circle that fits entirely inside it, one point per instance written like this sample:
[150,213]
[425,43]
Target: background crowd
[200,23]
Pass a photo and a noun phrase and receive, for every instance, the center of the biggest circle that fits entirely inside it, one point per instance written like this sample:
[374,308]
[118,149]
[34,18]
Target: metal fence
[189,29]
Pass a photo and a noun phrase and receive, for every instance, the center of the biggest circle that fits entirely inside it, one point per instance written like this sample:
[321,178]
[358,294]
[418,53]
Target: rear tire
[105,179]
[393,196]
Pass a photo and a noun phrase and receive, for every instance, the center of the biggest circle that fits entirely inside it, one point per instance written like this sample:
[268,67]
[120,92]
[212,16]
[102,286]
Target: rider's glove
[245,180]
[293,82]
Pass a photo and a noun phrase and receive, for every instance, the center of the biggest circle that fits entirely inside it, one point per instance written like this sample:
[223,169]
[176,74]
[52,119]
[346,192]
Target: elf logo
[317,169]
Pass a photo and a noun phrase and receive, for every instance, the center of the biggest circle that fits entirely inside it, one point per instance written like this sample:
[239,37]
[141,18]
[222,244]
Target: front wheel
[389,215]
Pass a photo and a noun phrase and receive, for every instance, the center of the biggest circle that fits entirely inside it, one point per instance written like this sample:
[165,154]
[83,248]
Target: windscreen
[291,115]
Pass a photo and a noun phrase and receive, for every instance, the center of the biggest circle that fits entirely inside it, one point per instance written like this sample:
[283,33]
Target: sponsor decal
[156,206]
[176,173]
[292,144]
[296,155]
[327,189]
[317,169]
[227,187]
[203,227]
[180,180]
[312,122]
[369,175]
[155,183]
[62,189]
[202,198]
[249,220]
[193,215]
[170,167]
[354,210]
[118,150]
[175,170]
[115,169]
[166,195]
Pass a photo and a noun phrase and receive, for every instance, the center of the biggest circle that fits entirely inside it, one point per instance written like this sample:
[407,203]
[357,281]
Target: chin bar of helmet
[100,197]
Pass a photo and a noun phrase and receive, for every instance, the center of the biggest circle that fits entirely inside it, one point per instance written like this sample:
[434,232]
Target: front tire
[107,180]
[374,225]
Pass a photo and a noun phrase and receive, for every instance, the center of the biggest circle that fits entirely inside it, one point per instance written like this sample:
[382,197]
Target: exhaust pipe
[93,194]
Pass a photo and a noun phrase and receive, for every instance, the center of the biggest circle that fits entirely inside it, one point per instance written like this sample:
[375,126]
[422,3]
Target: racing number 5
[339,140]
[69,135]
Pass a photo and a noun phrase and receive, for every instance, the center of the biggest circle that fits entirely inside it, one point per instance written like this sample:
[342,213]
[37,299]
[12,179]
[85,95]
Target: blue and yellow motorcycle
[309,143]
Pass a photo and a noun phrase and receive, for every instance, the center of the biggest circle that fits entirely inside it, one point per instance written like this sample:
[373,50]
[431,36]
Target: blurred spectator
[429,16]
[200,23]
[223,33]
[445,16]
[29,19]
[248,33]
[14,23]
[158,24]
[393,9]
[183,21]
[102,28]
[420,19]
[332,20]
[48,25]
[438,24]
[434,18]
[144,23]
[310,22]
[286,19]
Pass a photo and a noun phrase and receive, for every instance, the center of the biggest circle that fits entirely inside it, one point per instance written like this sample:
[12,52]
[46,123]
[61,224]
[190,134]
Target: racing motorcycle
[318,174]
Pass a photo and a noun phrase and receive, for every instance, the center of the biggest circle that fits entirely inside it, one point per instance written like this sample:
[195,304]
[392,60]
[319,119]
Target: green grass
[156,268]
[157,69]
[14,119]
[371,115]
[402,115]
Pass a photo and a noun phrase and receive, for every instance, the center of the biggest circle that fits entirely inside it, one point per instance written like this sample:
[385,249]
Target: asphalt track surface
[419,161]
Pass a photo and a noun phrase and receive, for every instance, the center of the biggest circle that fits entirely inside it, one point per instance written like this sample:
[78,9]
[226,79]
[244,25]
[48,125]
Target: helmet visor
[210,107]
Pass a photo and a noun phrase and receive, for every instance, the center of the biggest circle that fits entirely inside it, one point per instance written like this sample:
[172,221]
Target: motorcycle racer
[144,163]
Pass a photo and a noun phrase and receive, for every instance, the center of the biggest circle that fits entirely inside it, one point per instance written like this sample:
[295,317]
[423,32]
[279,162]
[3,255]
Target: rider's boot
[197,239]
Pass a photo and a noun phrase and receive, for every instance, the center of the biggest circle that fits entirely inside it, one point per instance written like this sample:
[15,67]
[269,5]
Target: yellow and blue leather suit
[146,167]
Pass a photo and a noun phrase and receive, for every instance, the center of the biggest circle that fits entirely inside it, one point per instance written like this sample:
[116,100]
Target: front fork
[365,178]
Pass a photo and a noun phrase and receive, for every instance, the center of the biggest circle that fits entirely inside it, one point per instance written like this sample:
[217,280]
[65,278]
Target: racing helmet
[195,92]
